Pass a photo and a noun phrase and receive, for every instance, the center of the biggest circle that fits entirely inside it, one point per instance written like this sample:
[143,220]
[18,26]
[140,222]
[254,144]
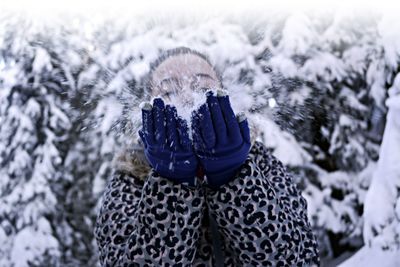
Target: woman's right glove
[167,145]
[221,141]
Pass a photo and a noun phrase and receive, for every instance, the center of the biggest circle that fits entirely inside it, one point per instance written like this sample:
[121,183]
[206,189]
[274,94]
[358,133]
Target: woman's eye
[170,84]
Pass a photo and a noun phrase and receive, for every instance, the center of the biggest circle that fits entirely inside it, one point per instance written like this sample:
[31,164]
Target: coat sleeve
[149,223]
[263,216]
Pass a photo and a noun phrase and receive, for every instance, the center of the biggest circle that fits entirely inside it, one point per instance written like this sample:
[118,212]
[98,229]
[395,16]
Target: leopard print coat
[260,217]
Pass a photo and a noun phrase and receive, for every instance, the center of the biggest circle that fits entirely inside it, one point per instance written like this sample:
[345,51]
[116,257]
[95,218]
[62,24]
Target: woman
[219,198]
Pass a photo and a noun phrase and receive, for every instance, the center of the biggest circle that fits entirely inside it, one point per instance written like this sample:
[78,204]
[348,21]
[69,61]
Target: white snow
[42,61]
[381,221]
[372,257]
[186,104]
[348,59]
[285,146]
[33,241]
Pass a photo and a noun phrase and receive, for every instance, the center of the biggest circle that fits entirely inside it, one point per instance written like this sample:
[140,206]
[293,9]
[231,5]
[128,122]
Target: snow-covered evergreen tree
[33,134]
[315,85]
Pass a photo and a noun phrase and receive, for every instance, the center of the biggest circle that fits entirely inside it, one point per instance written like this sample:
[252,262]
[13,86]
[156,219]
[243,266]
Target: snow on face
[182,80]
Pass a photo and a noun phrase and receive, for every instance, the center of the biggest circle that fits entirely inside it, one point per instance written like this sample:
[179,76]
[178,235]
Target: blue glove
[168,148]
[221,141]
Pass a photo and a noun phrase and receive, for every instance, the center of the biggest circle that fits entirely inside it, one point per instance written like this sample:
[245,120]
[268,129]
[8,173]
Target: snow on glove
[221,140]
[168,148]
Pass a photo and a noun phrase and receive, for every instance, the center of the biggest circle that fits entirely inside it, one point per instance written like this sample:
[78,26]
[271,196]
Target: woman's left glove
[168,147]
[221,140]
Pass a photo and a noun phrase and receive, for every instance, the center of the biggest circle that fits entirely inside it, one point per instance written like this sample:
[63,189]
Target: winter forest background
[322,86]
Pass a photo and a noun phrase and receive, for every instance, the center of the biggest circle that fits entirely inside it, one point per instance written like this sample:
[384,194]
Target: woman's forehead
[183,65]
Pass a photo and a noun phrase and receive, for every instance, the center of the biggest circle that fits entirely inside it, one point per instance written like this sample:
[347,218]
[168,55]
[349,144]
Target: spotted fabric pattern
[263,216]
[260,214]
[151,223]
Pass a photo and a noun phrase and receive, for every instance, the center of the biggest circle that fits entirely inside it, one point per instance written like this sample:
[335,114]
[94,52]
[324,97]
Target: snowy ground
[371,257]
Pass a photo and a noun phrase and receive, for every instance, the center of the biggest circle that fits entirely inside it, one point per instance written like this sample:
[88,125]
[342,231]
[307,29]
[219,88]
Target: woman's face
[180,78]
